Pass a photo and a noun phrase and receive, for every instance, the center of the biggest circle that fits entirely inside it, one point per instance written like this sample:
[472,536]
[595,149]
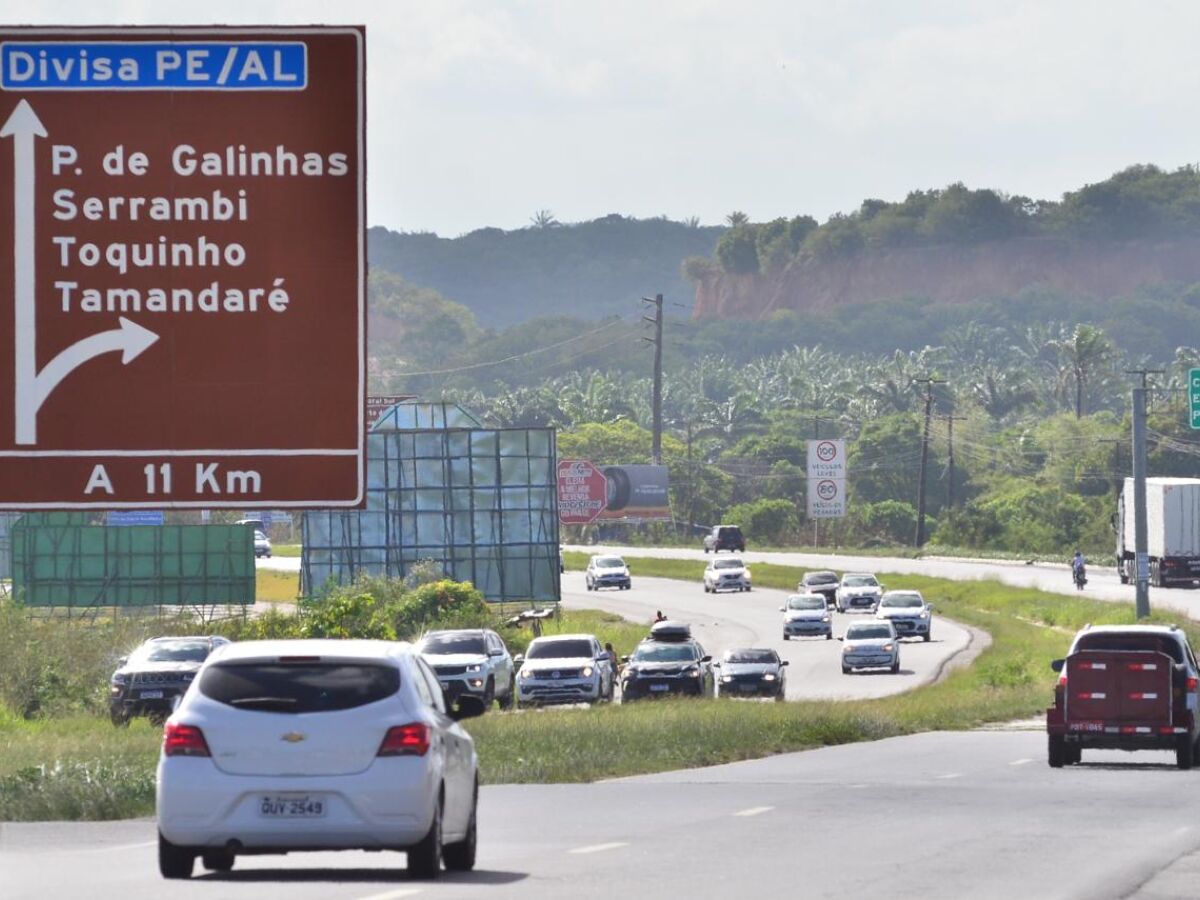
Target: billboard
[582,491]
[182,267]
[636,493]
[826,479]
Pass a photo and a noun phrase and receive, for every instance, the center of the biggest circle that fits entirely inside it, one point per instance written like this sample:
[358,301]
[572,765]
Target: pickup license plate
[288,807]
[151,695]
[1086,726]
[660,687]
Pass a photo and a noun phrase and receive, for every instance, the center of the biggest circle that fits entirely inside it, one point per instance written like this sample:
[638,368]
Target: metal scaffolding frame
[479,503]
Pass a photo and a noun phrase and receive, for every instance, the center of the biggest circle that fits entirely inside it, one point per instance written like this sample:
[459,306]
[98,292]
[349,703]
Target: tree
[736,219]
[543,218]
[737,251]
[1087,354]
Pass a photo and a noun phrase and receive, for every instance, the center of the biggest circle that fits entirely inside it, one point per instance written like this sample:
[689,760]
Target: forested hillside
[588,270]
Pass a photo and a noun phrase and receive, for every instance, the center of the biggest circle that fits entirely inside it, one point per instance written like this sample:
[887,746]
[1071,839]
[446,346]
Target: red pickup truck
[1125,687]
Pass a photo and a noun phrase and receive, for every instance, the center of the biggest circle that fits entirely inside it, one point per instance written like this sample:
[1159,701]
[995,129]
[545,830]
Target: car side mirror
[784,663]
[1057,664]
[468,706]
[122,660]
[496,652]
[929,607]
[601,657]
[519,658]
[706,659]
[781,609]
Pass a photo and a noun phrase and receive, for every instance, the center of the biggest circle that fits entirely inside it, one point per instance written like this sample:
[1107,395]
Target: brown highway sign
[182,267]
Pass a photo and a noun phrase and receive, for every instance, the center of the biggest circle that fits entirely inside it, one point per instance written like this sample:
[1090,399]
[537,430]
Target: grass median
[79,766]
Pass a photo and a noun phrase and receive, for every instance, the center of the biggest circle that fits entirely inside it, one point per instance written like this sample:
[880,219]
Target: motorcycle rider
[1079,569]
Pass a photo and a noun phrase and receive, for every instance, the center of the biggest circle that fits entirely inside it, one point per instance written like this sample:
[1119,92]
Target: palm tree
[1086,353]
[543,218]
[737,218]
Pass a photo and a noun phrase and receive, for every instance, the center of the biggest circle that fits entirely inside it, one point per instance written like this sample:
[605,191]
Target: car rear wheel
[1056,751]
[217,860]
[489,694]
[1074,753]
[460,857]
[425,857]
[829,635]
[174,861]
[1185,752]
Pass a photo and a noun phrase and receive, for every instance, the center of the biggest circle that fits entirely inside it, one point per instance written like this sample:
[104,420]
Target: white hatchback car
[281,746]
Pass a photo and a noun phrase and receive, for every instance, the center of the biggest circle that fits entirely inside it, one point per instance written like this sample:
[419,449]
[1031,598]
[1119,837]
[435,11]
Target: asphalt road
[1103,583]
[974,814]
[728,620]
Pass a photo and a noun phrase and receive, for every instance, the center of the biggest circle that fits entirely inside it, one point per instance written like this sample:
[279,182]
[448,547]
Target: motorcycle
[1080,574]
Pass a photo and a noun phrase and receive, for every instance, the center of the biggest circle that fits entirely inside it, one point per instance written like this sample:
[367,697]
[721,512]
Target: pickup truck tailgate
[1119,686]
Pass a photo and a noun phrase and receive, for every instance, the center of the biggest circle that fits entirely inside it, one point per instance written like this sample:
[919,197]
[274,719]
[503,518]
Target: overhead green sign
[1194,397]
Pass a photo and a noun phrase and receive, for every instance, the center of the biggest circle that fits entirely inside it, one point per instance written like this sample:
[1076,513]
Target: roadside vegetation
[61,758]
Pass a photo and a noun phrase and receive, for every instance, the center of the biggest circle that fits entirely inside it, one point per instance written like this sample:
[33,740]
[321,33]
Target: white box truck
[1172,531]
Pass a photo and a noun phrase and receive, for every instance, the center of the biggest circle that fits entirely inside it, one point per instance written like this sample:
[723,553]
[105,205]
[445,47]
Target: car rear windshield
[730,531]
[444,644]
[299,687]
[727,564]
[173,651]
[902,600]
[868,633]
[820,578]
[751,656]
[806,603]
[570,649]
[1151,642]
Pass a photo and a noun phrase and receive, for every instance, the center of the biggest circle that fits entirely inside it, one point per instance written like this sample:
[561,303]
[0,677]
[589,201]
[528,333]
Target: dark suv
[664,667]
[725,537]
[152,678]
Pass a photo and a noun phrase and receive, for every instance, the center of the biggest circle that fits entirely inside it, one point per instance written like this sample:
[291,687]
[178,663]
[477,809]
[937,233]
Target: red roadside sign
[184,249]
[582,491]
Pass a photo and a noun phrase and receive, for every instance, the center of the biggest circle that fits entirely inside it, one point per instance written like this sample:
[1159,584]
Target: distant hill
[585,270]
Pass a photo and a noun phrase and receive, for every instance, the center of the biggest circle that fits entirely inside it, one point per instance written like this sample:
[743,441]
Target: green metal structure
[65,564]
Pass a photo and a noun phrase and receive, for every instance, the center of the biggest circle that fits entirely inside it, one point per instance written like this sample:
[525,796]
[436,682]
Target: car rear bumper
[388,806]
[872,661]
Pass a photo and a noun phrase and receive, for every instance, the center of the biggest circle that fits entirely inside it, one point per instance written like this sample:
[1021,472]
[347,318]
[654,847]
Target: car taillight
[405,740]
[184,740]
[1191,684]
[1062,679]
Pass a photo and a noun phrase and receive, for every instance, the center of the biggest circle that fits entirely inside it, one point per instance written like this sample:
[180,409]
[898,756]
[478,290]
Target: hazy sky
[481,113]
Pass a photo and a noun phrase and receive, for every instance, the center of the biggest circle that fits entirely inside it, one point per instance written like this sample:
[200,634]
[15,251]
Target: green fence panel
[169,565]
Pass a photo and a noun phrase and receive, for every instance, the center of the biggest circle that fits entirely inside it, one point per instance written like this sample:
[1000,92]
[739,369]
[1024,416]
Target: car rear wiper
[264,702]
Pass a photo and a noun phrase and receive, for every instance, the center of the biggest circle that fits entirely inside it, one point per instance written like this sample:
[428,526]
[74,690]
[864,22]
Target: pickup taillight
[1191,684]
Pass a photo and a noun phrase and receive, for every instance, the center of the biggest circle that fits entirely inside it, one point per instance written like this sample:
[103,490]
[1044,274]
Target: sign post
[185,256]
[582,491]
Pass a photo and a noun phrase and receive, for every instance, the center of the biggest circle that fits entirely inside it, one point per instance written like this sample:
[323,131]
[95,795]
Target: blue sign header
[153,66]
[134,517]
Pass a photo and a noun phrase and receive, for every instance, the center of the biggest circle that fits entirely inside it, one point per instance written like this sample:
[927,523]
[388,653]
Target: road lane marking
[949,775]
[754,811]
[140,846]
[599,848]
[1181,831]
[393,895]
[1021,762]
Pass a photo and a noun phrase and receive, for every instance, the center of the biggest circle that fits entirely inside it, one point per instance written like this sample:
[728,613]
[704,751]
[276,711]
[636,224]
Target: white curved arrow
[131,339]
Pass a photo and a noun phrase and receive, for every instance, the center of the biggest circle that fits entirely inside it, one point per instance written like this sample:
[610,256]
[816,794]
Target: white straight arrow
[131,339]
[23,126]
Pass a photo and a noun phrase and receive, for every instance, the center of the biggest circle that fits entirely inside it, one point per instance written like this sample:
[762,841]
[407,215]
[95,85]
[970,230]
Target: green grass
[286,550]
[273,586]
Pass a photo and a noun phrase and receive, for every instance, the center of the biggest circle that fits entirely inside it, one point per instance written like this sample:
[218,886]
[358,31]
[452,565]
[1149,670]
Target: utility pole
[929,383]
[1141,550]
[950,420]
[691,504]
[657,341]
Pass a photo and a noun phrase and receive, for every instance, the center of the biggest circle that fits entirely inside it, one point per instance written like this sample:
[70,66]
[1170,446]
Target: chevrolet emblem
[293,737]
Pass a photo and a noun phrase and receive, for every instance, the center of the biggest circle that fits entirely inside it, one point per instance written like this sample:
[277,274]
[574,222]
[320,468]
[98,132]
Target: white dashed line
[1020,762]
[599,848]
[754,811]
[950,775]
[393,895]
